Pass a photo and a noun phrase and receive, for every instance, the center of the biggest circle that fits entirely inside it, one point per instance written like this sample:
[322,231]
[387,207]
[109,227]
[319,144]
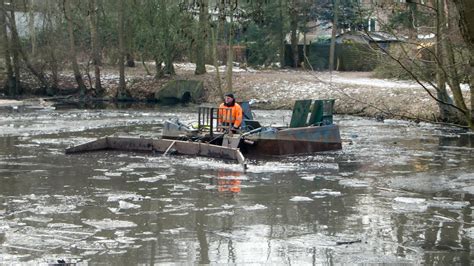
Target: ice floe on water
[123,205]
[468,189]
[308,177]
[99,177]
[254,207]
[448,204]
[469,232]
[353,183]
[301,199]
[63,225]
[407,200]
[109,224]
[466,177]
[40,239]
[113,174]
[406,204]
[153,178]
[221,213]
[273,167]
[125,196]
[37,219]
[325,192]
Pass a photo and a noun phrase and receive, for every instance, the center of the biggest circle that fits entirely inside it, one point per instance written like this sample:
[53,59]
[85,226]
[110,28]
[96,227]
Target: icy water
[398,192]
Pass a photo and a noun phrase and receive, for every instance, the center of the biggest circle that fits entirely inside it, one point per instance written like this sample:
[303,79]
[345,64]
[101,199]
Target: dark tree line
[82,37]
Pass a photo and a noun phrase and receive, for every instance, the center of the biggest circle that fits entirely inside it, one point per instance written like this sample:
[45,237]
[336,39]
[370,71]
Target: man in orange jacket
[229,114]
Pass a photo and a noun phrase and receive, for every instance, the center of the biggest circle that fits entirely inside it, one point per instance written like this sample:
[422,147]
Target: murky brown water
[397,193]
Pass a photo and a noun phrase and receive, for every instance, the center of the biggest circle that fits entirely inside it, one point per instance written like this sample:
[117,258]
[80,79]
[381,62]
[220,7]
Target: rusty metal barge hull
[163,146]
[294,141]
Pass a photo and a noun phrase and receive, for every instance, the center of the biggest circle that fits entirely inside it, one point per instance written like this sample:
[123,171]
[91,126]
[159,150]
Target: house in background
[375,39]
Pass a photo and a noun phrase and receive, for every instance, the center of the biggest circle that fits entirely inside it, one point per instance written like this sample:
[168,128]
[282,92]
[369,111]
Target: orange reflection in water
[228,181]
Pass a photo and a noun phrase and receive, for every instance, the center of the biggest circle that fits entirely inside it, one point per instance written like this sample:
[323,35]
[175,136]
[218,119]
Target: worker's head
[229,99]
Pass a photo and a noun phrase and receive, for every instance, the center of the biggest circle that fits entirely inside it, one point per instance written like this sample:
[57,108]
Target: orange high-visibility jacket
[224,114]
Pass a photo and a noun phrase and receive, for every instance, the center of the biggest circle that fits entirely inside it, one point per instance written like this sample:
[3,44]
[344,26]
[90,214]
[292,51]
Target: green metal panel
[300,113]
[321,113]
[328,109]
[316,112]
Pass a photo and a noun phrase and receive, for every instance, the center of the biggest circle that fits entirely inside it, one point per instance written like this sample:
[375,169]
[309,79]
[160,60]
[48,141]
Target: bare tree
[332,47]
[201,37]
[230,54]
[31,26]
[122,93]
[10,86]
[282,35]
[128,37]
[96,58]
[293,12]
[15,48]
[466,24]
[72,47]
[453,77]
[446,111]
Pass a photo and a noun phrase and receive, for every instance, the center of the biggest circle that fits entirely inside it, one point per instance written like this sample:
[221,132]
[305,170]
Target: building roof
[368,37]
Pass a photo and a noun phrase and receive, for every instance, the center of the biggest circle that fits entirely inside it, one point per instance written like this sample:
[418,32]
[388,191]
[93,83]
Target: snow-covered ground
[355,92]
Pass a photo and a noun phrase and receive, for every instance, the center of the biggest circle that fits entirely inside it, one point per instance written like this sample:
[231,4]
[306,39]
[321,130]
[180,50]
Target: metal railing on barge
[208,119]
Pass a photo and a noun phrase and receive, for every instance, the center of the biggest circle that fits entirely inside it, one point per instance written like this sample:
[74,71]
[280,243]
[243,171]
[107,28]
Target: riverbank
[356,93]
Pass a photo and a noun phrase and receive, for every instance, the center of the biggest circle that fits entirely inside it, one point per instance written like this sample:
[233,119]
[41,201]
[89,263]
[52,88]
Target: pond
[398,192]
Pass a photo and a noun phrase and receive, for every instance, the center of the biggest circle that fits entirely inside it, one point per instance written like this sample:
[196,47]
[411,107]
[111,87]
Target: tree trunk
[18,51]
[294,33]
[332,47]
[15,47]
[10,85]
[471,87]
[446,111]
[214,57]
[230,53]
[159,68]
[122,93]
[72,48]
[450,64]
[412,7]
[221,20]
[54,74]
[31,27]
[93,19]
[282,36]
[51,40]
[201,37]
[128,37]
[147,70]
[169,67]
[466,24]
[303,64]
